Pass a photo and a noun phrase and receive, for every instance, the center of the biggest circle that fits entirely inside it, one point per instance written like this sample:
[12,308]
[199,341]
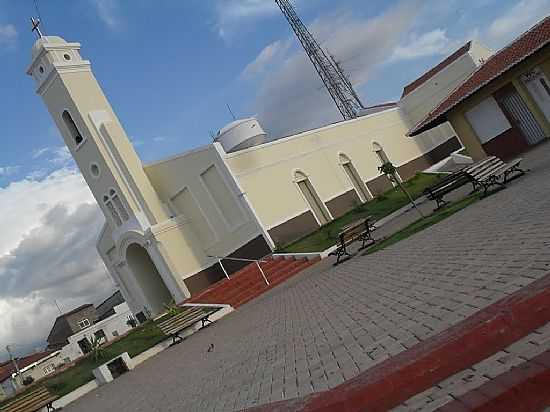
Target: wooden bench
[483,174]
[190,315]
[358,231]
[494,172]
[446,185]
[32,401]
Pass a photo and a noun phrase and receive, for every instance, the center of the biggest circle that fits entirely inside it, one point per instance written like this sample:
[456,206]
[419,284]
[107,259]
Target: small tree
[28,380]
[172,309]
[390,170]
[98,351]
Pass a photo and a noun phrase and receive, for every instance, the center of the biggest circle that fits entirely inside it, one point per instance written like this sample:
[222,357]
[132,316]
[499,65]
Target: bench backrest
[185,319]
[485,167]
[31,401]
[448,183]
[350,232]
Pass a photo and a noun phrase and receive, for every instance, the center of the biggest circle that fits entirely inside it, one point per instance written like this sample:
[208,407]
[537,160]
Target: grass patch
[378,208]
[422,224]
[137,341]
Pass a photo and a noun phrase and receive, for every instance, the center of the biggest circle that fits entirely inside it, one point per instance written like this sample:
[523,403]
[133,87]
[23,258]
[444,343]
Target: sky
[169,69]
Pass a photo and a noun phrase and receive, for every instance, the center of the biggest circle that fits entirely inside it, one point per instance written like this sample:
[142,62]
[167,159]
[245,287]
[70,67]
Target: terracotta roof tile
[8,369]
[514,53]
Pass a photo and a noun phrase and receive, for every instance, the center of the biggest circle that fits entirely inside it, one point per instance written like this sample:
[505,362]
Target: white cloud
[516,20]
[57,156]
[291,97]
[8,170]
[108,12]
[432,43]
[24,203]
[47,252]
[8,35]
[237,9]
[266,58]
[235,14]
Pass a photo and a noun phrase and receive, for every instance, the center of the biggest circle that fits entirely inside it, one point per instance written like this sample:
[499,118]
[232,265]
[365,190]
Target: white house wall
[113,326]
[487,120]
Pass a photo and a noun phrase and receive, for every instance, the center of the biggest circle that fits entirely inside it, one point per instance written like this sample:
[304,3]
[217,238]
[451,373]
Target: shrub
[28,380]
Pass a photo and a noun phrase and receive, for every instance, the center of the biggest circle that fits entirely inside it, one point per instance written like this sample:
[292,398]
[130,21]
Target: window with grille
[116,208]
[84,323]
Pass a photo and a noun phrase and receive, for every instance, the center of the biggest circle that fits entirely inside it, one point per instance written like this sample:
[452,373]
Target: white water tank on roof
[241,134]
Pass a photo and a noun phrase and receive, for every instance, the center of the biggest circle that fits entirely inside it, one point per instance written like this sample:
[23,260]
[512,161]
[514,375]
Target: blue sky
[169,68]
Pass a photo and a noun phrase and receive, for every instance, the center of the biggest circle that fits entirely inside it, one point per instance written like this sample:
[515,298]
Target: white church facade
[241,196]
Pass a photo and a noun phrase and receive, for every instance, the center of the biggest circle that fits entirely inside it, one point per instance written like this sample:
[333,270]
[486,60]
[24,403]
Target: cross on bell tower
[36,27]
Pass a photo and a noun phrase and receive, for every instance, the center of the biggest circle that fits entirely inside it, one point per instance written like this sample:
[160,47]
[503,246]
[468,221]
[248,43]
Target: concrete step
[248,283]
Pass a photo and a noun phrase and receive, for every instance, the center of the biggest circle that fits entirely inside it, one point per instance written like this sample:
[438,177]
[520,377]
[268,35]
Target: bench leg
[514,169]
[205,321]
[367,238]
[339,253]
[475,187]
[176,339]
[492,182]
[440,203]
[50,408]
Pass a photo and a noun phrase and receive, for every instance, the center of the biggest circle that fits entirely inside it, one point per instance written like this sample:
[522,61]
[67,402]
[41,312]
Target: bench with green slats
[190,315]
[32,401]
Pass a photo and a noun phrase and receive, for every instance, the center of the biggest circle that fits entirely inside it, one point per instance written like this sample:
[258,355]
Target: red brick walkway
[525,388]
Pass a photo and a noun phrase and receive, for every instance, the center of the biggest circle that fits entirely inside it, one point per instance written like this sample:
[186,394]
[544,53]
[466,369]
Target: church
[244,195]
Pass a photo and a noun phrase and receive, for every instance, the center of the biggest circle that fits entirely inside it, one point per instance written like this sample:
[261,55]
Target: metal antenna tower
[330,72]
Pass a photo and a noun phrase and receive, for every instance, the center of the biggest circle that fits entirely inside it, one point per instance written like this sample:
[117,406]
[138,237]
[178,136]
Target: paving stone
[403,294]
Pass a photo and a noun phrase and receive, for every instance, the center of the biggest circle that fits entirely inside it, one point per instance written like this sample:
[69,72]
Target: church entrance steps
[248,283]
[494,360]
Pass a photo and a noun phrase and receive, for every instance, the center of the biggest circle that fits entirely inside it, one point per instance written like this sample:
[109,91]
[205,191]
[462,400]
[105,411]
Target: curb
[523,388]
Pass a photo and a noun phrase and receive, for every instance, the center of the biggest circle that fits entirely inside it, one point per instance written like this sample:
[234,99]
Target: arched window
[115,207]
[118,204]
[71,127]
[355,179]
[315,204]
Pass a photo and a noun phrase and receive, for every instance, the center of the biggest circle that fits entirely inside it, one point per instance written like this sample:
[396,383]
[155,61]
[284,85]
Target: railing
[257,261]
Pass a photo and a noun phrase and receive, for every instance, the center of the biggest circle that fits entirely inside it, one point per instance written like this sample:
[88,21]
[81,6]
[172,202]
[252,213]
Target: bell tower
[94,135]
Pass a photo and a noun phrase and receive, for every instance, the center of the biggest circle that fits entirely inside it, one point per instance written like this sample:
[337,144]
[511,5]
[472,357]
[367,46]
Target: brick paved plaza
[328,324]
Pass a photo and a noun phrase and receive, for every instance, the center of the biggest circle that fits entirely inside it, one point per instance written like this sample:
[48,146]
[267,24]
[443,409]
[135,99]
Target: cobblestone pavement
[328,324]
[472,378]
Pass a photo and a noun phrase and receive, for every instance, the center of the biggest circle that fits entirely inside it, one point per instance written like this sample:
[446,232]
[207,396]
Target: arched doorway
[312,198]
[355,179]
[148,279]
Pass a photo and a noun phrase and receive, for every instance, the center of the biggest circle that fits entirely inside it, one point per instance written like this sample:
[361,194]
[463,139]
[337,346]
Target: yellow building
[502,108]
[167,223]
